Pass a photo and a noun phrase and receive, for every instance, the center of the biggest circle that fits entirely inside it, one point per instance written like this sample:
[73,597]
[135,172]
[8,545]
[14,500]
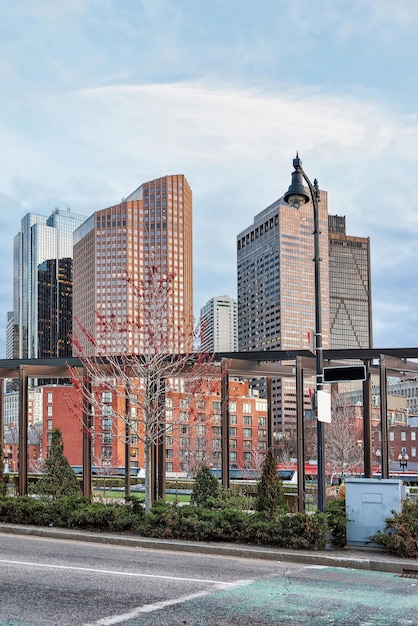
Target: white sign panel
[324,406]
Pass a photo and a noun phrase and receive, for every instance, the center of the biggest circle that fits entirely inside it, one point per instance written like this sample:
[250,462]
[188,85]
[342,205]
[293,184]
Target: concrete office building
[118,248]
[218,319]
[41,240]
[276,291]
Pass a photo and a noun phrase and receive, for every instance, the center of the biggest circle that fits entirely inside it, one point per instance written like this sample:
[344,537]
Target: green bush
[270,495]
[168,521]
[337,522]
[400,536]
[205,489]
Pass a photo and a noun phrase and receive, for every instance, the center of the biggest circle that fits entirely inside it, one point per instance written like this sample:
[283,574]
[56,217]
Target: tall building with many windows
[118,249]
[42,242]
[218,321]
[350,299]
[276,290]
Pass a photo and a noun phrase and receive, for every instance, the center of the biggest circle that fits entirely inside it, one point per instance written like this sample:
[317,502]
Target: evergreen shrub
[400,535]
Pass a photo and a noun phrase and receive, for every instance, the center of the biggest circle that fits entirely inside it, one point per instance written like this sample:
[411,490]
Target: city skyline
[97,98]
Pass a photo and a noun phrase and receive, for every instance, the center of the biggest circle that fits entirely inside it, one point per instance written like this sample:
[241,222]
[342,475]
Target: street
[57,582]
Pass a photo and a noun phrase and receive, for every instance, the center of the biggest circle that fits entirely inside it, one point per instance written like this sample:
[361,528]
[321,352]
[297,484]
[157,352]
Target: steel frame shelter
[268,364]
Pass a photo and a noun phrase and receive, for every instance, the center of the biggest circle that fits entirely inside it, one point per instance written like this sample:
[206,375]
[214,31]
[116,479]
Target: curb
[345,558]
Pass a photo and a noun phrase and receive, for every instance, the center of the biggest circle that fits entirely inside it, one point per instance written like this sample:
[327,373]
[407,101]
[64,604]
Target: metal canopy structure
[268,364]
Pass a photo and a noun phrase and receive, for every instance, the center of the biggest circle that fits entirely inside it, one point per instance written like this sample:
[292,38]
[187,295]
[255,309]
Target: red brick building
[193,428]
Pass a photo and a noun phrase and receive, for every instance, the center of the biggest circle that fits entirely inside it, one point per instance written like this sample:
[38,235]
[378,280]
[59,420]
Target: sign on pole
[324,406]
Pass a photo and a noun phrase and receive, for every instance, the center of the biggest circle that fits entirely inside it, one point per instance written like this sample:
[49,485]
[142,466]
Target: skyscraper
[218,318]
[276,290]
[349,287]
[120,246]
[41,240]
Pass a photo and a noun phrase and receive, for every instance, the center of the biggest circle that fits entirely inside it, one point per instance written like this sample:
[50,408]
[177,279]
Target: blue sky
[99,96]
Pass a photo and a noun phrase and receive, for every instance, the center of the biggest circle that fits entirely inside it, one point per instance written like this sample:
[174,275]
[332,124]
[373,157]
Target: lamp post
[403,459]
[297,195]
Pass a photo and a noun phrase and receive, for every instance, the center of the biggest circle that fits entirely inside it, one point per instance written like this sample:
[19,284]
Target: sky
[99,96]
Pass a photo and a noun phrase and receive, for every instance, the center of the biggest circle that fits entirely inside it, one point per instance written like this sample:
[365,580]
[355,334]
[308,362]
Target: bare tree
[148,363]
[343,437]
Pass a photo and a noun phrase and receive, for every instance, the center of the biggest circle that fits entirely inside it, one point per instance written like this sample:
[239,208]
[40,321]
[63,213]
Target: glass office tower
[41,240]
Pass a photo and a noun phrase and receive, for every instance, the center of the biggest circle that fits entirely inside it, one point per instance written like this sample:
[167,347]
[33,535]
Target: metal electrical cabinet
[369,502]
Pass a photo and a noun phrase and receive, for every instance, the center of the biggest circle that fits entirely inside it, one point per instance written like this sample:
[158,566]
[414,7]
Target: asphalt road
[58,582]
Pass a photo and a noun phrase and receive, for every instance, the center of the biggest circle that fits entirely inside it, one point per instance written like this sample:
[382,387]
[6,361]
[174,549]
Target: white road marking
[150,608]
[117,573]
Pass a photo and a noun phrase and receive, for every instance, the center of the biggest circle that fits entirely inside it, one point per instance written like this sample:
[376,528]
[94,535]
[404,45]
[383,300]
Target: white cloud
[235,146]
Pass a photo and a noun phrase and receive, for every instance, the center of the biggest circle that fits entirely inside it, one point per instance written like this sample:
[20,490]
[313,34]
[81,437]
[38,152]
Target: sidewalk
[362,558]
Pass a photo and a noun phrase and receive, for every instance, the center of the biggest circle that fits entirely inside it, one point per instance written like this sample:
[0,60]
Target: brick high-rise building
[149,229]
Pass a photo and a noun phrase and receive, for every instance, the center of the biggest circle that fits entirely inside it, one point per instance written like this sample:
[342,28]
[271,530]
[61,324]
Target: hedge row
[299,531]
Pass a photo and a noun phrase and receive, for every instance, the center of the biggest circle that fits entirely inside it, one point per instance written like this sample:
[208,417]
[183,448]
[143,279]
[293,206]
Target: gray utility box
[369,502]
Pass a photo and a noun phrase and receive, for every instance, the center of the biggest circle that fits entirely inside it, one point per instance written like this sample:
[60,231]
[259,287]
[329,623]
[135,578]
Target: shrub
[59,479]
[337,522]
[206,488]
[270,496]
[400,536]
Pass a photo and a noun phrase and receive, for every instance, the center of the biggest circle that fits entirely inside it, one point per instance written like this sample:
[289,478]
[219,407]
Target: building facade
[350,301]
[193,429]
[120,250]
[276,290]
[218,322]
[41,240]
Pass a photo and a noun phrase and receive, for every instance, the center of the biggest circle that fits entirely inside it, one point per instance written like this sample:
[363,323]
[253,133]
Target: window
[217,418]
[184,442]
[247,444]
[403,436]
[107,452]
[169,441]
[106,424]
[184,416]
[247,432]
[247,408]
[49,424]
[106,437]
[49,410]
[233,456]
[216,405]
[168,453]
[201,442]
[49,397]
[201,429]
[262,421]
[391,435]
[106,409]
[169,467]
[413,452]
[216,430]
[232,432]
[106,396]
[232,407]
[233,443]
[232,419]
[184,430]
[247,420]
[413,435]
[247,457]
[262,433]
[169,415]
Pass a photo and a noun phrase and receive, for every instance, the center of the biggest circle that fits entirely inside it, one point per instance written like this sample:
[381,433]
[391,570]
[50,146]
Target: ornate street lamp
[403,459]
[297,195]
